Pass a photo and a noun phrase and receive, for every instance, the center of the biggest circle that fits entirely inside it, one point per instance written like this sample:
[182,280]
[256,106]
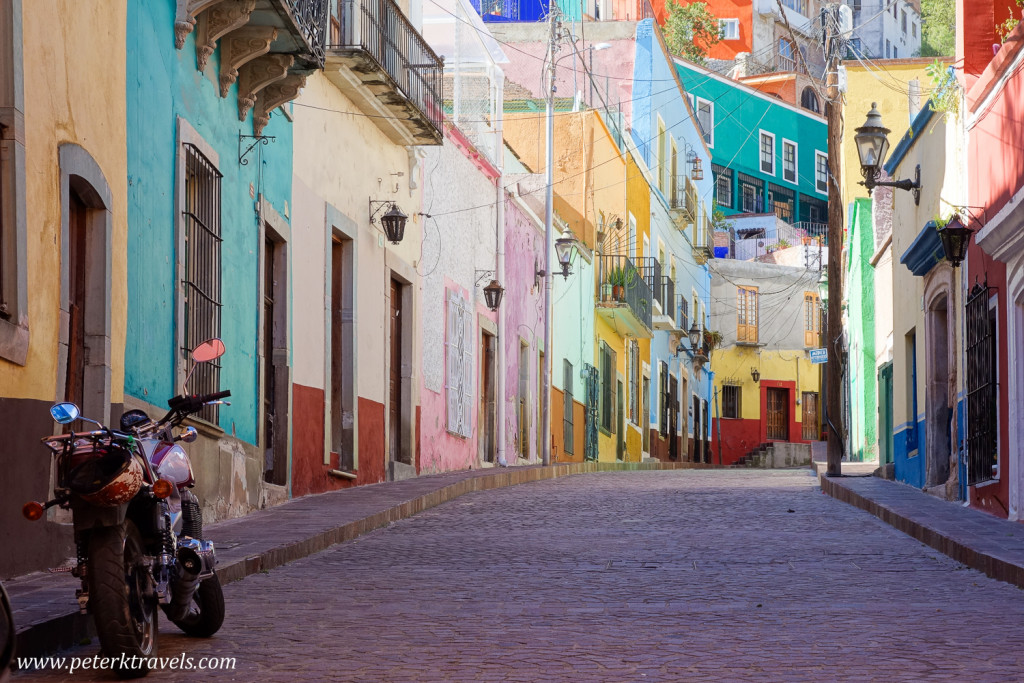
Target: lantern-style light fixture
[694,336]
[393,220]
[755,375]
[823,287]
[696,169]
[492,295]
[564,247]
[872,147]
[955,236]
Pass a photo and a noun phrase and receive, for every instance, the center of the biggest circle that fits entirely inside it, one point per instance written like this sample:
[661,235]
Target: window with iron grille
[746,314]
[202,286]
[634,381]
[982,387]
[730,401]
[567,424]
[459,365]
[607,388]
[723,188]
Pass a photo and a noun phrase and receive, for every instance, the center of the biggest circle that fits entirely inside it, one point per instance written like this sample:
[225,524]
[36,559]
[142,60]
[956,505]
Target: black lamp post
[492,295]
[564,246]
[872,147]
[955,236]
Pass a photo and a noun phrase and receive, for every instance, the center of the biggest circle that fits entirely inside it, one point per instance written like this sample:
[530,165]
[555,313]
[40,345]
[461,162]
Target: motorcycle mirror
[188,435]
[65,413]
[211,349]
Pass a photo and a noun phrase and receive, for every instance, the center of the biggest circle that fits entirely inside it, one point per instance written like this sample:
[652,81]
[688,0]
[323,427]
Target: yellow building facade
[63,233]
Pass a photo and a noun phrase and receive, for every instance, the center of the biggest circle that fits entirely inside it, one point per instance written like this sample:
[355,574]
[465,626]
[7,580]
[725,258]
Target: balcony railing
[379,29]
[628,284]
[311,18]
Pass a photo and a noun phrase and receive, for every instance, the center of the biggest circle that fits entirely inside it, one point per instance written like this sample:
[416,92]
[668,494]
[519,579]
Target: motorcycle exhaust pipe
[195,561]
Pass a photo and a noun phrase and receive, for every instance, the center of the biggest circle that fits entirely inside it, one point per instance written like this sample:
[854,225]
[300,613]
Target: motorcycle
[138,526]
[7,635]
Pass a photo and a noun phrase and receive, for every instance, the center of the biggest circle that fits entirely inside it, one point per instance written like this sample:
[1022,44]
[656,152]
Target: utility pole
[834,330]
[549,177]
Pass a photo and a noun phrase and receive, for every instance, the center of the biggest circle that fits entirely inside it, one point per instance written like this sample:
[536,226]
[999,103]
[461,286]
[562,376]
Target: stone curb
[71,629]
[985,562]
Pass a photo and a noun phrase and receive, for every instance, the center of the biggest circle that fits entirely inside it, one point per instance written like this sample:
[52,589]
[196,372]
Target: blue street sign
[819,356]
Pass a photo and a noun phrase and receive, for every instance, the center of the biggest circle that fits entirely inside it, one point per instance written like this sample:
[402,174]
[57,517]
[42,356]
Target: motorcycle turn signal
[32,510]
[162,488]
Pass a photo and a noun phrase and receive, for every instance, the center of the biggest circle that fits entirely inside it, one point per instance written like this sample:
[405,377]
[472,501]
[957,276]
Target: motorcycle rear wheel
[121,598]
[206,613]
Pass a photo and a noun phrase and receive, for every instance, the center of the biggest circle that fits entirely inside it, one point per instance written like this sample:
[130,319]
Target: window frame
[819,155]
[707,133]
[607,372]
[659,155]
[796,161]
[747,314]
[762,135]
[568,398]
[733,402]
[812,319]
[729,29]
[207,379]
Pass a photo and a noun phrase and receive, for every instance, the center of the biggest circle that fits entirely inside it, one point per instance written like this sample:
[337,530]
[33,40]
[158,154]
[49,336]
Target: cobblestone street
[634,576]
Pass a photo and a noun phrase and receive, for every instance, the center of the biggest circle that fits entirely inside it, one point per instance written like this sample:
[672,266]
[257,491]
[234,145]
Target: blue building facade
[667,138]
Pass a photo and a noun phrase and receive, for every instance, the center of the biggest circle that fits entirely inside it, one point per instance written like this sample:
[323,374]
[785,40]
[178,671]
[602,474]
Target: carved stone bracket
[256,75]
[273,96]
[240,47]
[218,21]
[185,18]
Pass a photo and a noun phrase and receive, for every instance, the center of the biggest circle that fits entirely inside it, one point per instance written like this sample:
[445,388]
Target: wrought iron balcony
[704,246]
[378,58]
[626,296]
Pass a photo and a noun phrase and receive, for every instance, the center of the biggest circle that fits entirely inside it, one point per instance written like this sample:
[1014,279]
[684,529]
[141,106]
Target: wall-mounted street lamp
[393,220]
[823,288]
[955,236]
[755,375]
[694,336]
[493,292]
[564,247]
[872,146]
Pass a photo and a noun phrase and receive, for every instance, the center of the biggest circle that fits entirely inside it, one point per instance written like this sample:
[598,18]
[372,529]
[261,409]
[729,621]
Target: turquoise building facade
[767,156]
[861,373]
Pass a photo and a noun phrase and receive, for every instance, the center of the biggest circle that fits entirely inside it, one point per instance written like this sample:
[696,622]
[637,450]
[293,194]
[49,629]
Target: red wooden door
[395,379]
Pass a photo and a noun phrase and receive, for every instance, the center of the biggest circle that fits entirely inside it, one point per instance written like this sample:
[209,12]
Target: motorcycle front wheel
[206,613]
[121,598]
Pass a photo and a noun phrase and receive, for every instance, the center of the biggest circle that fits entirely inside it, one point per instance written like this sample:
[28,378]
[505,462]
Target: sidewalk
[47,615]
[976,539]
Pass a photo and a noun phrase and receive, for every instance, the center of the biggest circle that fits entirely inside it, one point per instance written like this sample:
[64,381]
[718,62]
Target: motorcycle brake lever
[219,403]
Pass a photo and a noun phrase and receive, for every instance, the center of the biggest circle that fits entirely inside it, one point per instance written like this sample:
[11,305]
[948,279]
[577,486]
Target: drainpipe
[499,275]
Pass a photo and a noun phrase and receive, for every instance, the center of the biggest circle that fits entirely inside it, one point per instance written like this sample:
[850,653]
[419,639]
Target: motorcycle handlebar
[193,404]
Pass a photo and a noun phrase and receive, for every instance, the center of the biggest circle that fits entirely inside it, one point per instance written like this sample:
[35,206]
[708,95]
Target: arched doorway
[84,373]
[938,411]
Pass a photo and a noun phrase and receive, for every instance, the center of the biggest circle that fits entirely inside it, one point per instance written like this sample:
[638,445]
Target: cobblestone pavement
[633,576]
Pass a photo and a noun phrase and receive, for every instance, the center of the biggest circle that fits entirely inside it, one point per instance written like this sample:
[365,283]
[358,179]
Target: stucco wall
[456,244]
[74,92]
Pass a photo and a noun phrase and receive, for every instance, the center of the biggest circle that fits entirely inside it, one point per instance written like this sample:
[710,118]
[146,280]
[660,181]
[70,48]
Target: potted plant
[712,339]
[617,279]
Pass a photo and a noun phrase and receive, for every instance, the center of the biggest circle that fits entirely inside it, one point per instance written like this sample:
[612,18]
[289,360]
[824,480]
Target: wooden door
[810,416]
[885,435]
[777,415]
[269,375]
[395,376]
[698,432]
[488,413]
[673,418]
[74,384]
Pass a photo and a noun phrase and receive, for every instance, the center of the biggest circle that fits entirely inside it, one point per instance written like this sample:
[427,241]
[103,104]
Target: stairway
[759,456]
